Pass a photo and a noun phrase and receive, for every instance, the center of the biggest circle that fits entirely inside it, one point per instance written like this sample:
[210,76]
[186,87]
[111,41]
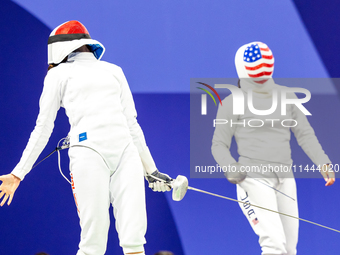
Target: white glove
[234,173]
[161,183]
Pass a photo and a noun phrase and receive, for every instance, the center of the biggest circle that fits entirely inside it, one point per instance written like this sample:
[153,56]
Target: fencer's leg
[128,200]
[90,184]
[289,206]
[267,225]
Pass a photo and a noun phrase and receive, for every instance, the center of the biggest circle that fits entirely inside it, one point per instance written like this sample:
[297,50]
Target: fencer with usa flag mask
[108,153]
[265,147]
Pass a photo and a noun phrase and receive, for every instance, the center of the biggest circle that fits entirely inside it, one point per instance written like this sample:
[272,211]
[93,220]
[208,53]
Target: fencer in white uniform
[265,145]
[107,151]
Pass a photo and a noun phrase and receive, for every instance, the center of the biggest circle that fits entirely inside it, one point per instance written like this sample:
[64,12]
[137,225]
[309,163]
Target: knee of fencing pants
[90,185]
[271,235]
[267,225]
[128,200]
[289,206]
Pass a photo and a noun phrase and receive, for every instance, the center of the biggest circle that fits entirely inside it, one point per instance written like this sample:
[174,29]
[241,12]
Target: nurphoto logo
[239,104]
[238,99]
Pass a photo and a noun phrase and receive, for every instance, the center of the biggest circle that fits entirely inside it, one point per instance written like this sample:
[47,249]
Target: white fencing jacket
[101,111]
[269,143]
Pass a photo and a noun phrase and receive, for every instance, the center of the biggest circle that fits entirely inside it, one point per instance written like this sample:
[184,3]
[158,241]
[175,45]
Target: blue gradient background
[161,45]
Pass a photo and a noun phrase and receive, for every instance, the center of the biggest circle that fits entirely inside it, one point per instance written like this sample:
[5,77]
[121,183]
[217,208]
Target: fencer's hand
[328,174]
[8,187]
[234,174]
[157,185]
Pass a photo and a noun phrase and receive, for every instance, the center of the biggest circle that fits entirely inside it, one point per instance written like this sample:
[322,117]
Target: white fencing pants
[278,234]
[95,187]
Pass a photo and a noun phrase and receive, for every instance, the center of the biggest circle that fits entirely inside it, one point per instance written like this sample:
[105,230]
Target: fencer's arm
[49,105]
[134,127]
[223,134]
[137,134]
[308,141]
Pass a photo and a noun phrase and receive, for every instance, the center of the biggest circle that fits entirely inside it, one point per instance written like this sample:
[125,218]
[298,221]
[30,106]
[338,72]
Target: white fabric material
[266,88]
[95,187]
[264,143]
[91,109]
[264,146]
[107,167]
[278,234]
[148,162]
[56,52]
